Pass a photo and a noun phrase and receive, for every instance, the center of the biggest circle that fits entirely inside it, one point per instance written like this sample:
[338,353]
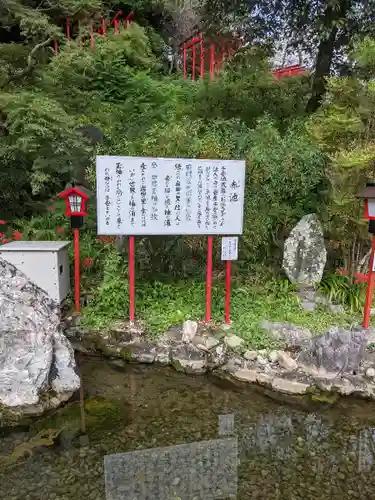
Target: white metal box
[45,263]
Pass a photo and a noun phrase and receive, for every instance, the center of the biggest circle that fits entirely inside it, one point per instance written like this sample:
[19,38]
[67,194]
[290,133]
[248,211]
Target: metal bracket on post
[76,221]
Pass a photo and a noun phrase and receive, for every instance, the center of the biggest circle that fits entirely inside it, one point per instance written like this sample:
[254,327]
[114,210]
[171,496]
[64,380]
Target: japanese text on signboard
[149,196]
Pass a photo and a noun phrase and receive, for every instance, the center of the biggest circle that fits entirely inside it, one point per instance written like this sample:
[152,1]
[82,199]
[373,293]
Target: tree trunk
[322,70]
[327,46]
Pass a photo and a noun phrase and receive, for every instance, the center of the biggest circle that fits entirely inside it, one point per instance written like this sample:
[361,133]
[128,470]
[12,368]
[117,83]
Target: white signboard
[229,248]
[170,196]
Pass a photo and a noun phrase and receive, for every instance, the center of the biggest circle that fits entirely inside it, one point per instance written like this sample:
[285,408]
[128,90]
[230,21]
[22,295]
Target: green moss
[9,420]
[177,366]
[325,397]
[100,413]
[126,354]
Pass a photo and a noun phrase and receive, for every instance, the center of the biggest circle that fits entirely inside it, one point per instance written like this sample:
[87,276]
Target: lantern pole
[77,284]
[370,288]
[368,196]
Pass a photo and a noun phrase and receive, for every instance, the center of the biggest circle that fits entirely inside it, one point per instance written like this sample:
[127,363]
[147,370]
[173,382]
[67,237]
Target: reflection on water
[226,425]
[366,450]
[283,452]
[207,470]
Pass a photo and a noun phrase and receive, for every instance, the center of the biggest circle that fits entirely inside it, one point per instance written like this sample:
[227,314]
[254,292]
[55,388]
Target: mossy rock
[10,420]
[324,397]
[100,414]
[126,354]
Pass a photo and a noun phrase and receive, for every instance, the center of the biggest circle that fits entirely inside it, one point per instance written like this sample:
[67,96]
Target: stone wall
[338,361]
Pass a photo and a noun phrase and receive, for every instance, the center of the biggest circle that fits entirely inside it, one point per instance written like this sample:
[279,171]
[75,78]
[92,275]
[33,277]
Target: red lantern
[368,196]
[75,200]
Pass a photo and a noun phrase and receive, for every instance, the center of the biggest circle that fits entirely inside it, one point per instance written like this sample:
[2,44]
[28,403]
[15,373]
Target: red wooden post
[185,61]
[201,55]
[370,288]
[80,35]
[129,18]
[104,27]
[220,59]
[212,61]
[77,285]
[227,292]
[92,40]
[209,279]
[193,63]
[131,279]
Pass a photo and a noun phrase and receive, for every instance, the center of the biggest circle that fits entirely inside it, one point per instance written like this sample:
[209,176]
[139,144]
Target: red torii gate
[195,49]
[101,30]
[288,71]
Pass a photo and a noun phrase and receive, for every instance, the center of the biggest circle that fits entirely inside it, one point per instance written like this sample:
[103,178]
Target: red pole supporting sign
[77,285]
[370,288]
[209,279]
[227,292]
[131,279]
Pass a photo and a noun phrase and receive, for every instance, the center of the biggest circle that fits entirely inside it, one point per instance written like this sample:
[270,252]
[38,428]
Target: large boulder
[288,334]
[337,352]
[37,366]
[305,254]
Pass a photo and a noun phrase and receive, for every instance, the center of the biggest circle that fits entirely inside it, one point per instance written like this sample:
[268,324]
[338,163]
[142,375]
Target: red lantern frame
[368,195]
[367,213]
[77,192]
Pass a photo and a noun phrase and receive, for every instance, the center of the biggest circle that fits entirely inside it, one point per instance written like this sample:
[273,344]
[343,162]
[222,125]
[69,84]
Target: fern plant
[341,289]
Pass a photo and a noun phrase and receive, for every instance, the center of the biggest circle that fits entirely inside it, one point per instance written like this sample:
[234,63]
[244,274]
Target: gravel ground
[284,452]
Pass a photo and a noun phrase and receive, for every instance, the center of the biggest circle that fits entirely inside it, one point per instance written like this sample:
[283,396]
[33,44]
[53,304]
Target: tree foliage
[296,163]
[325,31]
[344,128]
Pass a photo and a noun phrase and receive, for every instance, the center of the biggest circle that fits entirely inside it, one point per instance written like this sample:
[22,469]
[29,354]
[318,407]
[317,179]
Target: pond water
[284,452]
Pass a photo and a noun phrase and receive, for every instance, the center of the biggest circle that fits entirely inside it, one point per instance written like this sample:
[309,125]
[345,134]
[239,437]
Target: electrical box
[45,263]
